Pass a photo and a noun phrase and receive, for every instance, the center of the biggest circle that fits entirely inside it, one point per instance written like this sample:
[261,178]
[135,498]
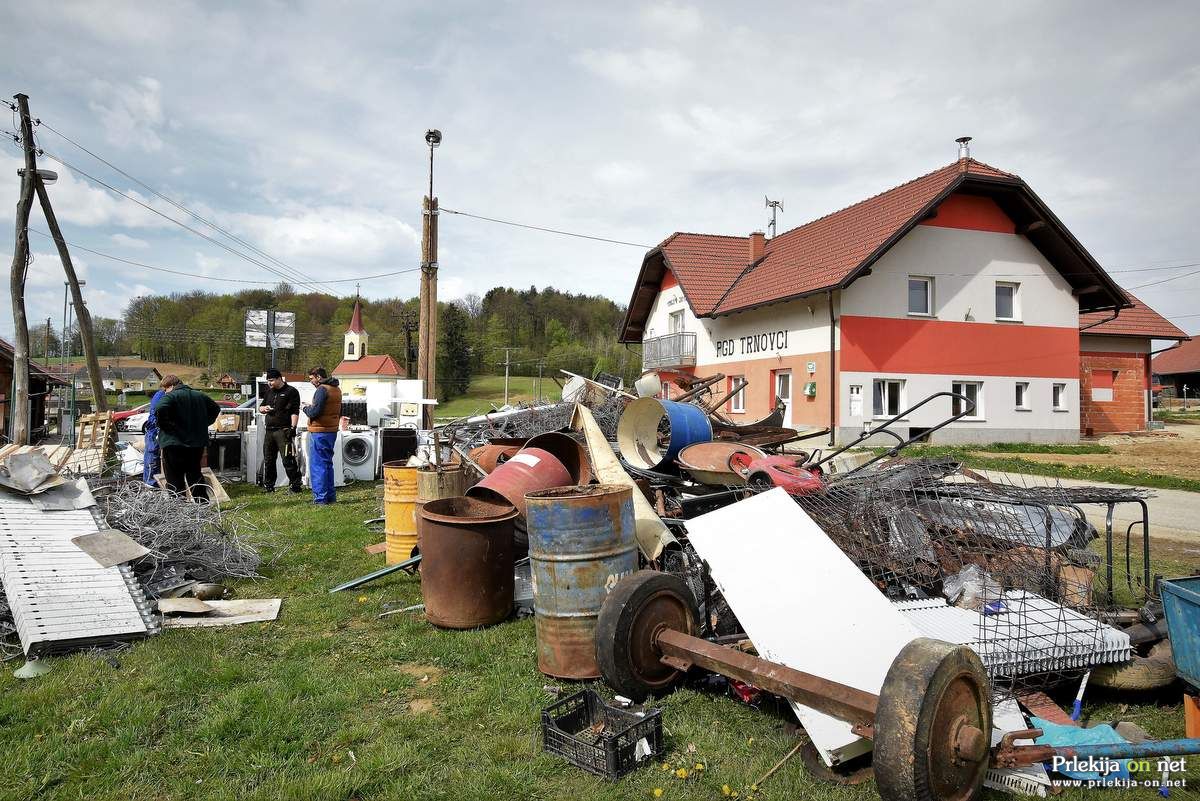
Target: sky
[299,127]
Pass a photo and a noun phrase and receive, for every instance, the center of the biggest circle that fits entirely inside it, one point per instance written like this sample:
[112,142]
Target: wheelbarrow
[930,724]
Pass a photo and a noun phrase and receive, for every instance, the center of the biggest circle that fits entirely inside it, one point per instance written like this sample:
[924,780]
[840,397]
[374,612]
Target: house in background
[41,382]
[1179,368]
[1115,391]
[230,381]
[358,369]
[959,281]
[121,379]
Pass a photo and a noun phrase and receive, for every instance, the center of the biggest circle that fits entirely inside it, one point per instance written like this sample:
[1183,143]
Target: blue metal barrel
[581,543]
[638,431]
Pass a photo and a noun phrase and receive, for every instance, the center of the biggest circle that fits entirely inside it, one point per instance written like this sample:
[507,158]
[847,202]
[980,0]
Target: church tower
[355,345]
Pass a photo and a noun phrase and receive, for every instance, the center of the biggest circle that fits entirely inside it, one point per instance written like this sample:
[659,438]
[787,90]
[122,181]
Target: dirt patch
[422,706]
[424,674]
[1174,452]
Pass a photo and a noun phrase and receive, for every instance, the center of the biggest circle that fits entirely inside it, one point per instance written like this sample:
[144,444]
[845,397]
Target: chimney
[964,147]
[758,243]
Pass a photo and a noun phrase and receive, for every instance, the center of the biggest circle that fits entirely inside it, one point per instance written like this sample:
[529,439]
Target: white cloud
[130,113]
[644,68]
[672,19]
[126,241]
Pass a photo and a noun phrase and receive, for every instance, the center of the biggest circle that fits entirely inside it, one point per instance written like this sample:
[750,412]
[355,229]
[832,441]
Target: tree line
[544,330]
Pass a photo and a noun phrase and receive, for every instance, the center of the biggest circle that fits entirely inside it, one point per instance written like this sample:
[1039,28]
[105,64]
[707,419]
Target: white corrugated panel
[60,598]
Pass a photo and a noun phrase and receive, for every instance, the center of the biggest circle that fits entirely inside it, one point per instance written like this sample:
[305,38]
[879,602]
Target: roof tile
[1137,321]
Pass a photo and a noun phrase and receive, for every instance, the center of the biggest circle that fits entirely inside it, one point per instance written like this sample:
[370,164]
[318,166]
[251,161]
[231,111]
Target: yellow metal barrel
[399,511]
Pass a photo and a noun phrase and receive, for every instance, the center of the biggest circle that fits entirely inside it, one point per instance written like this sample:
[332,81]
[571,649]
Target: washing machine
[360,453]
[252,449]
[339,467]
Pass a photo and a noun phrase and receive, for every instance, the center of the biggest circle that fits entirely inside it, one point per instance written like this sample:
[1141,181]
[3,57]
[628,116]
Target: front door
[783,394]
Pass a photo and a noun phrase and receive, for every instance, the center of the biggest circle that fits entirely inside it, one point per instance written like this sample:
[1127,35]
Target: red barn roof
[370,365]
[1139,320]
[717,276]
[1184,359]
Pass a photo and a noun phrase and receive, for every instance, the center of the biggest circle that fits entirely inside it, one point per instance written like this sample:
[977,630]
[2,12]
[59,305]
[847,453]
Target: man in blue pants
[151,455]
[324,416]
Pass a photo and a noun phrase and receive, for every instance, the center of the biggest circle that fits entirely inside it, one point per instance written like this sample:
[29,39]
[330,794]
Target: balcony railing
[672,350]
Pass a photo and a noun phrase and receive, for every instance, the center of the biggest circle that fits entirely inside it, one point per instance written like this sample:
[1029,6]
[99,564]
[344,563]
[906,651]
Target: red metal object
[571,452]
[785,472]
[495,453]
[530,469]
[467,562]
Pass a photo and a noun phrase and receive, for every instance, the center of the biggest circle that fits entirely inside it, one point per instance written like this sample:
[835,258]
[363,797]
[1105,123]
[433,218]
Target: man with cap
[281,410]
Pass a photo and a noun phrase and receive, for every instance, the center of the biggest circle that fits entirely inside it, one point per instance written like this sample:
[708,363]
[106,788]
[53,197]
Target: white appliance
[252,450]
[360,453]
[339,468]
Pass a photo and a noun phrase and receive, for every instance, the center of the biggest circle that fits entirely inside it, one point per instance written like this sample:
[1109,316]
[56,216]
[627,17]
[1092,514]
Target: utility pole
[46,352]
[81,313]
[541,364]
[18,404]
[507,362]
[427,335]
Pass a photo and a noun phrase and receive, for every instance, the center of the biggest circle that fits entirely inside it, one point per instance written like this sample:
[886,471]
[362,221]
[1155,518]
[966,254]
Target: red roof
[717,277]
[1137,321]
[1184,359]
[370,365]
[10,355]
[356,325]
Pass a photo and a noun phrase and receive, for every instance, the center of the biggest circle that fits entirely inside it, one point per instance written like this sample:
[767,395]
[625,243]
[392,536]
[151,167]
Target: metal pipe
[832,375]
[387,571]
[848,703]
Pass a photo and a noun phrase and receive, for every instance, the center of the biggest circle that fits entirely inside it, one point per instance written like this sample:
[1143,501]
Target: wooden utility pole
[427,333]
[82,315]
[19,402]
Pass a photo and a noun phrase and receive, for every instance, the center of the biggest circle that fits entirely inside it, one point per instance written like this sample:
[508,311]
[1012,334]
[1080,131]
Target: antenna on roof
[774,206]
[964,147]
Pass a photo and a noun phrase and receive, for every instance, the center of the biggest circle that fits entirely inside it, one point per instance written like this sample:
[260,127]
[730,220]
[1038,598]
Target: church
[358,368]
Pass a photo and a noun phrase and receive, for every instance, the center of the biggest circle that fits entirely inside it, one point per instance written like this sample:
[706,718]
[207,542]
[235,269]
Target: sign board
[247,389]
[270,329]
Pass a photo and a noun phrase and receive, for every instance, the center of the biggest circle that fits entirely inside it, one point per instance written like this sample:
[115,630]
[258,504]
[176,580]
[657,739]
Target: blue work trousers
[151,457]
[320,466]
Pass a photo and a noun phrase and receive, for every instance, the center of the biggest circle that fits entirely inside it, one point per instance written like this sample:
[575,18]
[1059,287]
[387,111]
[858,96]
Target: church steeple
[355,345]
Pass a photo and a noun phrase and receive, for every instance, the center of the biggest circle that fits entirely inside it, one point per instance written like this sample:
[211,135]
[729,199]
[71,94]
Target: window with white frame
[920,295]
[666,390]
[737,401]
[973,392]
[1007,301]
[1058,397]
[887,397]
[1021,399]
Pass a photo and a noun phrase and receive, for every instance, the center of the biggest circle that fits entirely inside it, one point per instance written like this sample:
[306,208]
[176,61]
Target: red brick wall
[1127,410]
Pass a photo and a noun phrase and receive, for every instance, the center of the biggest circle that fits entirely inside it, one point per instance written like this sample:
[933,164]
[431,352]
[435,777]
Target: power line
[178,205]
[547,230]
[1172,278]
[216,277]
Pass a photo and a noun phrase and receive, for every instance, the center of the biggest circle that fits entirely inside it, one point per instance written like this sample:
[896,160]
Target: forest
[534,329]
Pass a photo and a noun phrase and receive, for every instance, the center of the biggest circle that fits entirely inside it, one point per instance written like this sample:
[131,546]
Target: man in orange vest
[324,416]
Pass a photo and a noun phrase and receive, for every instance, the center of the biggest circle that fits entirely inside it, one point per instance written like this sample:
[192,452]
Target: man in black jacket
[184,415]
[281,410]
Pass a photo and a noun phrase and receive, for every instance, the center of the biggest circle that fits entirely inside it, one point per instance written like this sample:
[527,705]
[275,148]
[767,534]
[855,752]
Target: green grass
[316,705]
[487,392]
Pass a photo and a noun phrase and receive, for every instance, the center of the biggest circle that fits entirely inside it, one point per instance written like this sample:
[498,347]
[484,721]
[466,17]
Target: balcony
[672,350]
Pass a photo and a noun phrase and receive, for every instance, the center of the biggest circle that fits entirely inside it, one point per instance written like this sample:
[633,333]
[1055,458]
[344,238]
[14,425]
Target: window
[920,295]
[737,402]
[666,390]
[1022,396]
[1104,385]
[1006,301]
[973,392]
[887,398]
[350,348]
[1058,397]
[856,399]
[675,322]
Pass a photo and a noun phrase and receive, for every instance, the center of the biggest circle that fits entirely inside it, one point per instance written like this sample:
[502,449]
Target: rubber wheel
[641,605]
[1150,672]
[932,693]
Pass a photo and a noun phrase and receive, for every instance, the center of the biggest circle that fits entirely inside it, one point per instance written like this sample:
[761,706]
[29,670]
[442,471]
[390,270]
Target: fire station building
[959,281]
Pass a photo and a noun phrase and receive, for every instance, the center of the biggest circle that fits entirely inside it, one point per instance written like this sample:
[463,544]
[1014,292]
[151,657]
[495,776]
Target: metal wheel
[641,605]
[933,725]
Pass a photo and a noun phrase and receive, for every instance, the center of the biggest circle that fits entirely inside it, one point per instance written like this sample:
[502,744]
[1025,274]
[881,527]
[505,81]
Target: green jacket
[184,415]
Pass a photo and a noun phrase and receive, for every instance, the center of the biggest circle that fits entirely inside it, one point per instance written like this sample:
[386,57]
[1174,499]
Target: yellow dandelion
[698,766]
[666,766]
[658,792]
[725,789]
[681,773]
[362,599]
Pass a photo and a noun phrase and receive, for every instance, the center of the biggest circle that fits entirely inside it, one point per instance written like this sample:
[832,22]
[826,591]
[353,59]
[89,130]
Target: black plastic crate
[599,738]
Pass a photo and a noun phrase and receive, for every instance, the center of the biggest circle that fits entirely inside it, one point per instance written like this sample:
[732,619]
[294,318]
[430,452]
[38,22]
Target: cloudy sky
[299,127]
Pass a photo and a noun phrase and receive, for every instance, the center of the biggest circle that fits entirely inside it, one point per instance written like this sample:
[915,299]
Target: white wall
[965,266]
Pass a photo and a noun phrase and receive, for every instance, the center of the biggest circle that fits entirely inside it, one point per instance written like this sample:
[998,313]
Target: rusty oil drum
[531,469]
[467,562]
[581,542]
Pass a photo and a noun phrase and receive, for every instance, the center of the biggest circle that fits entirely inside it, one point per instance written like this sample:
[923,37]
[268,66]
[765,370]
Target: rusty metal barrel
[581,542]
[467,562]
[399,511]
[531,469]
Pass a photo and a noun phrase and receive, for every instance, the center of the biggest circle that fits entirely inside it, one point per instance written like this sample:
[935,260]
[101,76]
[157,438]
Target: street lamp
[48,176]
[66,347]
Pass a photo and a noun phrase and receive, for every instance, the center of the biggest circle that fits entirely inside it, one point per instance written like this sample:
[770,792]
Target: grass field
[487,392]
[331,702]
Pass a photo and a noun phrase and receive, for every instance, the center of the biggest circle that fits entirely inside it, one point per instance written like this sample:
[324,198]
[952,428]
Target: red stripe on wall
[891,345]
[972,212]
[668,281]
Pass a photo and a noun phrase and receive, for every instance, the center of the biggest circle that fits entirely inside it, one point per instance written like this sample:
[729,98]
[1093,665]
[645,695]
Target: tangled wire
[209,542]
[529,421]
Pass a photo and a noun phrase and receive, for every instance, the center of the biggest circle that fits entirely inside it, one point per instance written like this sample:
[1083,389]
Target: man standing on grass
[324,417]
[281,407]
[184,415]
